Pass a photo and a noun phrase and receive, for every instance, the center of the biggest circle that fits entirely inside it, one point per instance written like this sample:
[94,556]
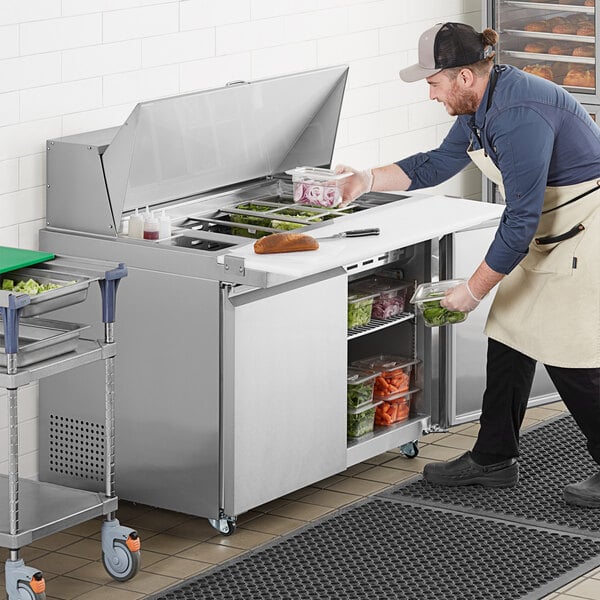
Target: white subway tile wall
[68,66]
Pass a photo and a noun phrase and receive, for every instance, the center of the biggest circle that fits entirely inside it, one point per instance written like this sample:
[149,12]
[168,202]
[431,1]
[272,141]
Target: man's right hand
[359,183]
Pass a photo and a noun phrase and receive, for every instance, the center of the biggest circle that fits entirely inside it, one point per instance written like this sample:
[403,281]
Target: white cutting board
[404,223]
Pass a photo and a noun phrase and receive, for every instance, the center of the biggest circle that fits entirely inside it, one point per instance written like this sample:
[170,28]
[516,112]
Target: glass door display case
[553,39]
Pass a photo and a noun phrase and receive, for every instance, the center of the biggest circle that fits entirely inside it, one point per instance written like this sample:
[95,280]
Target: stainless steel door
[284,389]
[468,343]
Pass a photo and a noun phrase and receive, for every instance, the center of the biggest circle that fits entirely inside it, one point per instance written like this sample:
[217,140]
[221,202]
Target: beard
[461,103]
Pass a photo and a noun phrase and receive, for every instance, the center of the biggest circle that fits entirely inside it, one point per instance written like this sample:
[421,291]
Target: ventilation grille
[76,448]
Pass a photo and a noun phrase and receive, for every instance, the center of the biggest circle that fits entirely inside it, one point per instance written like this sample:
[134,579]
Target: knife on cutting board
[298,242]
[351,234]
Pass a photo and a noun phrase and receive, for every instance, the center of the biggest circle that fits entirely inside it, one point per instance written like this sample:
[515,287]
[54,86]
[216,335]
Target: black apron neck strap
[493,81]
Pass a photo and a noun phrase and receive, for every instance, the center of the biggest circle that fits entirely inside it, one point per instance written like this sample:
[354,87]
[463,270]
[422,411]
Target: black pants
[509,380]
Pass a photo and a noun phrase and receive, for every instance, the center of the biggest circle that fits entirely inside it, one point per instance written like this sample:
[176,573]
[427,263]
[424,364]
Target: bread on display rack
[538,47]
[588,50]
[540,70]
[580,77]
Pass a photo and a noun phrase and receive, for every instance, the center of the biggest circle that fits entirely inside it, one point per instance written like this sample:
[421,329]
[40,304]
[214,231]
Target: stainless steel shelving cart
[35,348]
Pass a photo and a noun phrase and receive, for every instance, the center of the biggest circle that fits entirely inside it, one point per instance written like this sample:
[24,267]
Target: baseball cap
[444,46]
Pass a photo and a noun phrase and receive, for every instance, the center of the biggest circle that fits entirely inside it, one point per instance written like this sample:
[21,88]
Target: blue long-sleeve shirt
[537,134]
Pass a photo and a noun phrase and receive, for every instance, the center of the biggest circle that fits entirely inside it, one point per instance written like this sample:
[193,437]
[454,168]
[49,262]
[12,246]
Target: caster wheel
[124,564]
[410,450]
[26,593]
[223,526]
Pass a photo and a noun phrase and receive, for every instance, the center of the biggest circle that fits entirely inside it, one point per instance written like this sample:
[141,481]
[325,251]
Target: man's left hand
[460,298]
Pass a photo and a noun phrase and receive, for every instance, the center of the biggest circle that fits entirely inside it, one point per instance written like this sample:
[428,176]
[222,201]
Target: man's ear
[466,77]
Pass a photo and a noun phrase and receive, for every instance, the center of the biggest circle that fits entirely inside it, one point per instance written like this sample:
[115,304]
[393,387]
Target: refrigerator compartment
[225,226]
[197,243]
[391,295]
[318,187]
[394,373]
[394,410]
[361,420]
[41,339]
[427,300]
[360,307]
[74,289]
[265,218]
[360,385]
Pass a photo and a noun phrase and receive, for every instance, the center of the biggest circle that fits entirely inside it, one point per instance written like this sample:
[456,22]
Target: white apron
[548,307]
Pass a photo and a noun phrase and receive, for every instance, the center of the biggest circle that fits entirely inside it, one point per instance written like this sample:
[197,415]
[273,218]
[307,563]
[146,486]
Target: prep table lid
[185,145]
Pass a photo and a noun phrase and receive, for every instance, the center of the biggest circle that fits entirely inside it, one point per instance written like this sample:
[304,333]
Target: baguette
[285,242]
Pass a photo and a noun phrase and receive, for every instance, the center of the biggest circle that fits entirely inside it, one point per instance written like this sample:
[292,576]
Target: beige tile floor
[176,546]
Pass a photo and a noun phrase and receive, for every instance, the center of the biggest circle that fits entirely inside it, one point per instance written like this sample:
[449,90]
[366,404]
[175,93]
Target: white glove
[460,298]
[359,183]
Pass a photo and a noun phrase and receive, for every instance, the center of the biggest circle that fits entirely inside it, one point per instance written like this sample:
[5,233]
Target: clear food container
[360,387]
[427,300]
[394,410]
[391,295]
[394,374]
[361,420]
[318,187]
[360,306]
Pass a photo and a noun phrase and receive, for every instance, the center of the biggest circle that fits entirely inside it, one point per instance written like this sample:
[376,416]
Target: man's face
[457,98]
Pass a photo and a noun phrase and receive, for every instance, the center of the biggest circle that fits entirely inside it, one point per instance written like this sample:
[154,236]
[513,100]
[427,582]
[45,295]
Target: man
[538,144]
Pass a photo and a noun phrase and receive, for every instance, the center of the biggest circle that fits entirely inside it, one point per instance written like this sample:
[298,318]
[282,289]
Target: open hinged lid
[185,145]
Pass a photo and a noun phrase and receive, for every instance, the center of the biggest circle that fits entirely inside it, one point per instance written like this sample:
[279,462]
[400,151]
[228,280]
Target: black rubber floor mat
[552,455]
[381,549]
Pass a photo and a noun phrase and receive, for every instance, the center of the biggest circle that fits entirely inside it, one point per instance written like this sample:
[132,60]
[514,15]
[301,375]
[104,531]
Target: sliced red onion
[298,192]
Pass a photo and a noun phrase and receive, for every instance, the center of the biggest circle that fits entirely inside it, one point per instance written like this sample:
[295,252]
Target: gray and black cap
[444,46]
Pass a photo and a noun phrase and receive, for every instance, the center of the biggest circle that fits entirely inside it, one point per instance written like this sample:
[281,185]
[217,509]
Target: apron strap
[552,239]
[544,212]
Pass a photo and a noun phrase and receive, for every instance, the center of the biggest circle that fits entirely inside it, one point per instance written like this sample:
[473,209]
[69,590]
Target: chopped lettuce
[31,287]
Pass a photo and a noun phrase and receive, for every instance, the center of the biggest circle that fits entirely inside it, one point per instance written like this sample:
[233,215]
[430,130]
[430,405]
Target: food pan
[74,289]
[427,298]
[41,339]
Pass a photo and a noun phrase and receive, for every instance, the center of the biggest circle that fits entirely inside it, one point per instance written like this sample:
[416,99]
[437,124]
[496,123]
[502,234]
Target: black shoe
[465,471]
[586,493]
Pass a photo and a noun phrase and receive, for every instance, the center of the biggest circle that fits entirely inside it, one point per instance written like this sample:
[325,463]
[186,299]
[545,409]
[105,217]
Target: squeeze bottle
[150,226]
[164,227]
[136,226]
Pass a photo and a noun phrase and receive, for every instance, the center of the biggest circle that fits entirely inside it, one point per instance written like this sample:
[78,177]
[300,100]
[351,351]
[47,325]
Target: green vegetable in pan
[31,287]
[436,315]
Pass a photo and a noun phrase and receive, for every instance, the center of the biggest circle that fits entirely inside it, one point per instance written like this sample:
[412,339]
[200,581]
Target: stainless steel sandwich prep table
[233,366]
[35,348]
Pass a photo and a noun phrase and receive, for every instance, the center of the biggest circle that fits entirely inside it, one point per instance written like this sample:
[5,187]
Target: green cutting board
[17,258]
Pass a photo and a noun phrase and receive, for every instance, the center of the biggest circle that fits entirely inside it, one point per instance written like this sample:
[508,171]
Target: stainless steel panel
[76,193]
[167,390]
[45,509]
[468,343]
[284,389]
[184,145]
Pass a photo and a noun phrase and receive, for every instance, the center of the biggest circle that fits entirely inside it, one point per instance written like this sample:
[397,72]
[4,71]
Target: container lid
[398,395]
[363,408]
[358,376]
[192,143]
[316,174]
[380,285]
[384,363]
[355,298]
[428,292]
